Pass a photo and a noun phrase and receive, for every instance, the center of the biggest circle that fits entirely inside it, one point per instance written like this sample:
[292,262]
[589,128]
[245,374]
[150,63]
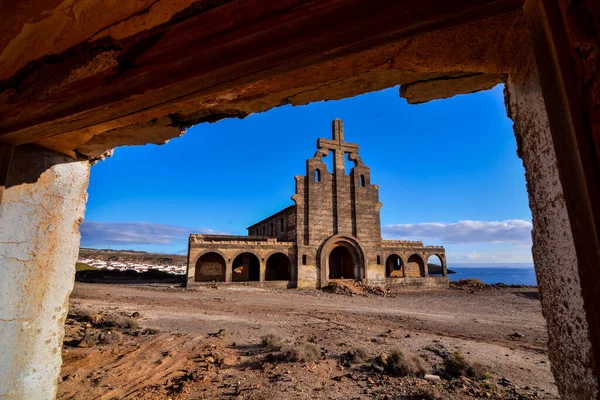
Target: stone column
[263,269]
[425,269]
[554,251]
[42,207]
[444,268]
[228,270]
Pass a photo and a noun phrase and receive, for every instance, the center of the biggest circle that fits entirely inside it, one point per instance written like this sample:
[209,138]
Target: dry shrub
[471,282]
[417,366]
[302,352]
[91,339]
[357,356]
[398,365]
[272,342]
[456,365]
[119,321]
[478,371]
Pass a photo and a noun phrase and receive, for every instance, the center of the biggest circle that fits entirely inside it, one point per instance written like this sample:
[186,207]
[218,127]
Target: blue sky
[447,170]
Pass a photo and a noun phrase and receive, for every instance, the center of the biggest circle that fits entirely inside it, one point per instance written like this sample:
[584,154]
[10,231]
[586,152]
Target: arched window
[362,181]
[317,175]
[304,259]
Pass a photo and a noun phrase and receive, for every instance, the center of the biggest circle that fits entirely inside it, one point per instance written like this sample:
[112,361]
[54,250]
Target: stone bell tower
[334,203]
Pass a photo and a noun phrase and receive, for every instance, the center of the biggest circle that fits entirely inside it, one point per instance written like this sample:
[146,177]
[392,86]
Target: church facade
[332,231]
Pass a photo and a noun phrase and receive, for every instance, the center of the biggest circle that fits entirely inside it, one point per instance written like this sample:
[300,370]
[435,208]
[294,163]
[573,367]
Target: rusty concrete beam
[447,86]
[205,50]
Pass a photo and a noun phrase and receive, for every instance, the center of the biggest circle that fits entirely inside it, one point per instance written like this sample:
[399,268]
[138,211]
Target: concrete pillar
[263,270]
[554,251]
[42,207]
[228,270]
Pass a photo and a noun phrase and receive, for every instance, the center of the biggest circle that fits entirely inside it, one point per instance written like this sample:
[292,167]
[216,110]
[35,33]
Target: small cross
[337,145]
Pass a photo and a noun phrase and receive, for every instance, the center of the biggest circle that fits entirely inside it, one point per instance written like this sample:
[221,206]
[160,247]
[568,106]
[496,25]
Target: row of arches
[211,266]
[415,266]
[344,262]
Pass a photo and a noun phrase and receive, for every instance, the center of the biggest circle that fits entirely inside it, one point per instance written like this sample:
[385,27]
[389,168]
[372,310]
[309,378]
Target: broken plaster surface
[553,248]
[42,207]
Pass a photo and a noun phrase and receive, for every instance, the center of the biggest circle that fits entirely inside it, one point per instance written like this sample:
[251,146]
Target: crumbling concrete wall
[553,245]
[40,212]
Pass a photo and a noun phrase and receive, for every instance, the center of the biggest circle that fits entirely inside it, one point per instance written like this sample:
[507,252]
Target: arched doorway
[210,267]
[246,267]
[435,265]
[278,268]
[394,267]
[343,262]
[415,267]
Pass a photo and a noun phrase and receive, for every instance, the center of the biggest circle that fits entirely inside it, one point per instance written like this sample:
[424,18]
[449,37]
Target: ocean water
[510,274]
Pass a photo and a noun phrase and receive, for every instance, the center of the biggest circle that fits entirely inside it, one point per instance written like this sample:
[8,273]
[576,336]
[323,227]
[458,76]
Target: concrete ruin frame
[82,80]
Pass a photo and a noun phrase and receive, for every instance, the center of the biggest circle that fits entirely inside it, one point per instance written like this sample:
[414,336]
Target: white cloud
[134,233]
[517,254]
[513,231]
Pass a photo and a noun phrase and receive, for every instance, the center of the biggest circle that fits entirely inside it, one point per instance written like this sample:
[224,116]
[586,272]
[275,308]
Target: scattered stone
[505,382]
[135,315]
[432,378]
[517,335]
[221,334]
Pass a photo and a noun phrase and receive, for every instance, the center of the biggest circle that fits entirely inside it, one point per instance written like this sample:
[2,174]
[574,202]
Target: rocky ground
[168,343]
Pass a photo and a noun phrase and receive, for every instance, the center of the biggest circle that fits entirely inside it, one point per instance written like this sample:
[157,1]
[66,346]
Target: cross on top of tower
[338,146]
[337,143]
[337,130]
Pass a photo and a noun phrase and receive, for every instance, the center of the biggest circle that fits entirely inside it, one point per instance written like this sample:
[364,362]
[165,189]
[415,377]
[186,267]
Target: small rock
[432,378]
[135,315]
[517,335]
[505,382]
[95,319]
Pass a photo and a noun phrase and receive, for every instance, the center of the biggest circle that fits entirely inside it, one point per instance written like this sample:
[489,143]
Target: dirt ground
[209,343]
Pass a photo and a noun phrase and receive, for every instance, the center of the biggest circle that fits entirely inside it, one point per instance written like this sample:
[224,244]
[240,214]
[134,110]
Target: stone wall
[414,256]
[281,225]
[227,248]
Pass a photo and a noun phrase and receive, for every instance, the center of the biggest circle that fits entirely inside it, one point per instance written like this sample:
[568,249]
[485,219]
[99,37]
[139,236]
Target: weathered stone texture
[281,225]
[41,209]
[553,249]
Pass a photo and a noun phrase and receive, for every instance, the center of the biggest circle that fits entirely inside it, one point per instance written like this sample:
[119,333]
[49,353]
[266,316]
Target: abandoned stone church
[333,231]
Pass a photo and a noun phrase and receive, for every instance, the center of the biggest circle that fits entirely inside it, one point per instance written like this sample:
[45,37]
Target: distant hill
[133,257]
[437,269]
